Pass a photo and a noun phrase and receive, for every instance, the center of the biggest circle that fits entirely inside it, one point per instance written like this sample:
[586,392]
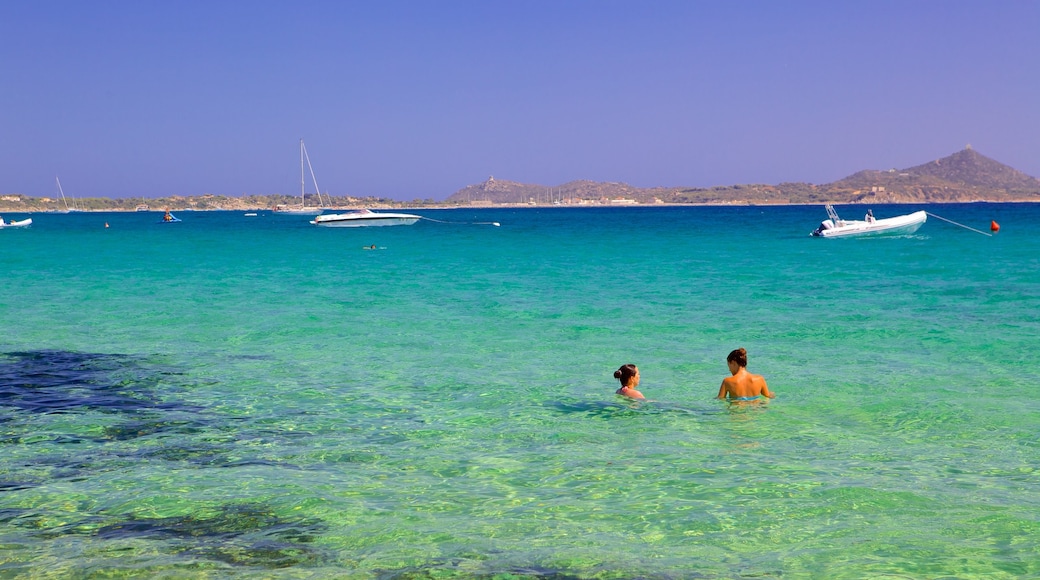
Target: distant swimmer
[629,377]
[372,247]
[742,386]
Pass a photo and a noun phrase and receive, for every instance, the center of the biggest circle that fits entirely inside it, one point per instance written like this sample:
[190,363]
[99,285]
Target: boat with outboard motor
[363,218]
[835,227]
[15,224]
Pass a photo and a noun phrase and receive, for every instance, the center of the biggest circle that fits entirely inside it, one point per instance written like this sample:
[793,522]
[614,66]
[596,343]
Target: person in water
[742,386]
[629,377]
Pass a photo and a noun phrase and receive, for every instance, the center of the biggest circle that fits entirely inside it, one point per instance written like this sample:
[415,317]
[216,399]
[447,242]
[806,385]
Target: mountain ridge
[966,175]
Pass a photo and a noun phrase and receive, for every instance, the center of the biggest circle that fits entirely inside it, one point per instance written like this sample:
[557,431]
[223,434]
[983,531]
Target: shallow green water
[232,396]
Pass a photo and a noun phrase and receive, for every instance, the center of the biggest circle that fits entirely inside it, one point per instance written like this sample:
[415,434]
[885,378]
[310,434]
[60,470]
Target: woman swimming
[742,386]
[629,377]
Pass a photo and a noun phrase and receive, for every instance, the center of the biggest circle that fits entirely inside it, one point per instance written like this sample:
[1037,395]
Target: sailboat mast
[65,201]
[303,200]
[314,179]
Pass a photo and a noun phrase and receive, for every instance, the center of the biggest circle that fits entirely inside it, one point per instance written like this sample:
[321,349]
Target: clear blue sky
[419,99]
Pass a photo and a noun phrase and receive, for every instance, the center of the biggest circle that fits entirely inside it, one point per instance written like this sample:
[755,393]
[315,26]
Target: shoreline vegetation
[965,176]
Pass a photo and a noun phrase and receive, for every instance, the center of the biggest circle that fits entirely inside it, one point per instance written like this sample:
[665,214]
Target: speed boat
[363,218]
[835,227]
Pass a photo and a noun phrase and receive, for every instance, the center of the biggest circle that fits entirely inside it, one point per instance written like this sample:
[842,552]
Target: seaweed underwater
[55,381]
[39,388]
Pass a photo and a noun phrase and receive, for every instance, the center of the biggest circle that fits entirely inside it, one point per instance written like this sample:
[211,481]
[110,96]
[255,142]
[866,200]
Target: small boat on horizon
[835,227]
[15,224]
[303,208]
[364,218]
[61,192]
[169,218]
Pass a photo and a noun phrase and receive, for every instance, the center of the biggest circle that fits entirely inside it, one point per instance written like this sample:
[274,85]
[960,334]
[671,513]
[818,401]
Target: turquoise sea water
[237,396]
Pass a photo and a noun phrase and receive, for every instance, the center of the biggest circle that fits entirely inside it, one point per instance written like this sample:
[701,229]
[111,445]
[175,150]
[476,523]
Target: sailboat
[303,209]
[64,200]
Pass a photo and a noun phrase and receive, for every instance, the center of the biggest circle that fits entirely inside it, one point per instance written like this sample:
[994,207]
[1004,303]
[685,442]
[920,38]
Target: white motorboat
[363,218]
[303,208]
[835,227]
[15,224]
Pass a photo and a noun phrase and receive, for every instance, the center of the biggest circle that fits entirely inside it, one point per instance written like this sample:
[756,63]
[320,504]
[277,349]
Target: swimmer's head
[626,373]
[738,356]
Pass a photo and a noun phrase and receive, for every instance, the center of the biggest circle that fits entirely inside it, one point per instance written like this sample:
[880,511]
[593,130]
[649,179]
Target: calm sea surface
[236,396]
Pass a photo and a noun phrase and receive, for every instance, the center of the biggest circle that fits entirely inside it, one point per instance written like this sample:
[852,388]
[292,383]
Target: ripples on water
[291,406]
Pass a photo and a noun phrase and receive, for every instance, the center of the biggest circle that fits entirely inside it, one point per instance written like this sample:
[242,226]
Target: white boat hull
[365,218]
[304,211]
[16,224]
[899,225]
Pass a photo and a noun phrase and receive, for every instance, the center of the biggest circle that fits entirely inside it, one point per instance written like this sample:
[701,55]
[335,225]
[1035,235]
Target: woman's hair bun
[617,374]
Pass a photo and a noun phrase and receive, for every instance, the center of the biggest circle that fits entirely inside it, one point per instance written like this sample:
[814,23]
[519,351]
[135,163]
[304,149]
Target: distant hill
[497,191]
[500,191]
[964,176]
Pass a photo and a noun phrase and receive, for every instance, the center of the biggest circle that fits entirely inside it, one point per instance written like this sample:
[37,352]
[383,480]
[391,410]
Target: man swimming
[742,386]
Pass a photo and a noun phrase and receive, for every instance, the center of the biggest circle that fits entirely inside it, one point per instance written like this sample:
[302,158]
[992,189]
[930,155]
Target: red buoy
[994,226]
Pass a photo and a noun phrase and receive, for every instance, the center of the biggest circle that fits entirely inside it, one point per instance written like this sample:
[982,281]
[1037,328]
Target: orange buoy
[994,226]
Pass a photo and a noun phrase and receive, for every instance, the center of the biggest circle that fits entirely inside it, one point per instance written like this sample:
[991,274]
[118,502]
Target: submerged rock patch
[58,381]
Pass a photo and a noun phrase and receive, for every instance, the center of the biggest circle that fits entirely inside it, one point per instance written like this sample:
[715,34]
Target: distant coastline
[963,177]
[521,206]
